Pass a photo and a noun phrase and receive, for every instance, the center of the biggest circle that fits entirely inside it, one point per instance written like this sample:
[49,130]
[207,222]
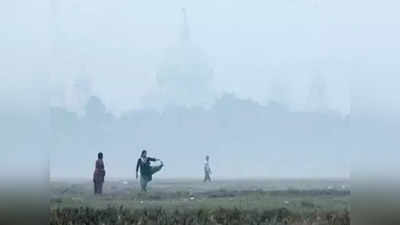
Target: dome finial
[185,36]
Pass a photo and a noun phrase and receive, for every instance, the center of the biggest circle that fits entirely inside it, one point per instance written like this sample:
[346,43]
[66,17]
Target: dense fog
[299,88]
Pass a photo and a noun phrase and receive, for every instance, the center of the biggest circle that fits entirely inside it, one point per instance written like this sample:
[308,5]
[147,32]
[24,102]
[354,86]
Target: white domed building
[185,76]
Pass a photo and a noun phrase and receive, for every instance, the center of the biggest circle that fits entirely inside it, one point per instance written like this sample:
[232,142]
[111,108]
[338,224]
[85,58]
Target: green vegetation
[191,202]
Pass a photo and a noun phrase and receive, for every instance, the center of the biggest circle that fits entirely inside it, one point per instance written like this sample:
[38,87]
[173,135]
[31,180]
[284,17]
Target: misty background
[298,88]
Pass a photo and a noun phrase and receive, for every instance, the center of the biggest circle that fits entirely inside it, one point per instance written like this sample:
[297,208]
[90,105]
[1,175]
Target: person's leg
[207,178]
[143,183]
[101,187]
[98,183]
[95,187]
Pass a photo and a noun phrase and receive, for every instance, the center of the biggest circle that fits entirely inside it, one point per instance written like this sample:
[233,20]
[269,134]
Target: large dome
[185,75]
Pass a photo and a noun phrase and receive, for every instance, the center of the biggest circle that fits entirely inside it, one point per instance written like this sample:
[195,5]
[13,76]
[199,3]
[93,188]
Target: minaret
[57,95]
[185,35]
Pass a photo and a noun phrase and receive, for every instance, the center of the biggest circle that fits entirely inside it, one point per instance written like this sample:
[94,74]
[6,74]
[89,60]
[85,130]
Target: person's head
[143,154]
[100,155]
[207,157]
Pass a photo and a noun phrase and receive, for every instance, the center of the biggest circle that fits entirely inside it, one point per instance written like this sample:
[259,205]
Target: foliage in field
[221,216]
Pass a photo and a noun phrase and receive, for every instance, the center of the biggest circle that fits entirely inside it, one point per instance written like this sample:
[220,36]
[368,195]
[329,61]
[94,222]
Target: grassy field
[299,198]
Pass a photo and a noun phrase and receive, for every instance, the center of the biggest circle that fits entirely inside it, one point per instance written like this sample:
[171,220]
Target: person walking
[146,170]
[99,174]
[207,170]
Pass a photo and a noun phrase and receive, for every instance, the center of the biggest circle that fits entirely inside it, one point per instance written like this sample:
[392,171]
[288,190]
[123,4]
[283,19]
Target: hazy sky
[120,45]
[262,50]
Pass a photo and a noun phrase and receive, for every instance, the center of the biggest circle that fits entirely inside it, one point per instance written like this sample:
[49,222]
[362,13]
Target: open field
[243,201]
